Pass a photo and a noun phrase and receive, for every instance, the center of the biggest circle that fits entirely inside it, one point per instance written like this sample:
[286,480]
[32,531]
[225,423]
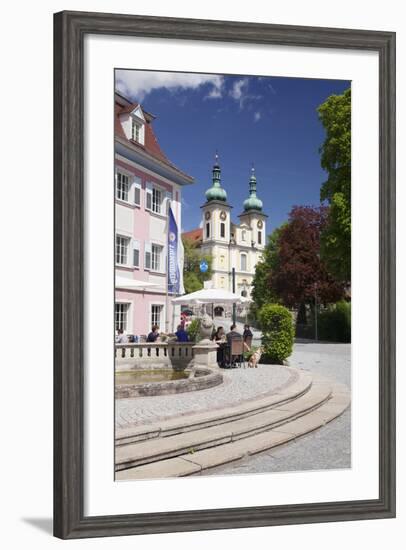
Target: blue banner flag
[174,283]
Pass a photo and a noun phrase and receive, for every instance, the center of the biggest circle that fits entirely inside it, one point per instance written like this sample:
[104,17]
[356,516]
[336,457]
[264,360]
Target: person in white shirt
[121,337]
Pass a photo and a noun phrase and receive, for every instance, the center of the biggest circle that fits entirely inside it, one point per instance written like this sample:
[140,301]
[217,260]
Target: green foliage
[193,278]
[193,329]
[262,291]
[335,115]
[277,333]
[334,323]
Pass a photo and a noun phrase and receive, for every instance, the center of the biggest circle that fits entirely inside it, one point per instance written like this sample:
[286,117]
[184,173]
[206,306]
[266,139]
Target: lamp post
[234,304]
[316,335]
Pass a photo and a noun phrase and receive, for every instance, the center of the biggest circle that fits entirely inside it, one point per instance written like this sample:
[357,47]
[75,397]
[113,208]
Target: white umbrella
[208,296]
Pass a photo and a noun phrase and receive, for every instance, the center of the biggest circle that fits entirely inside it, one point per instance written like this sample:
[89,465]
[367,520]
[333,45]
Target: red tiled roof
[151,144]
[196,235]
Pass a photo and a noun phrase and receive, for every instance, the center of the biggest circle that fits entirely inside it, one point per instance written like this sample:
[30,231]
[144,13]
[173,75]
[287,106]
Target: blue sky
[269,121]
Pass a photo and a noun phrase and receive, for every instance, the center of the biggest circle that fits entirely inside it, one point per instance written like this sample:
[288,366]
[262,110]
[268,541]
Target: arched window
[243,262]
[243,235]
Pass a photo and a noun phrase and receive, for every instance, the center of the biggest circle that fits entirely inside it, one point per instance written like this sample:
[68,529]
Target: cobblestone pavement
[239,385]
[326,448]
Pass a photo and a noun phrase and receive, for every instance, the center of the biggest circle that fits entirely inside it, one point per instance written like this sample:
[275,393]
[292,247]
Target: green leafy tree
[335,115]
[193,278]
[262,291]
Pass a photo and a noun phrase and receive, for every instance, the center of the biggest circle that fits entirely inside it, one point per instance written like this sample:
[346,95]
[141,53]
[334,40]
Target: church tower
[253,215]
[216,225]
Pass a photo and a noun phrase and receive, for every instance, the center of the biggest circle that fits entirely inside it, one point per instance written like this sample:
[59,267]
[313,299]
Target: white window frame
[156,257]
[243,233]
[157,200]
[243,255]
[151,204]
[127,240]
[125,306]
[119,186]
[222,225]
[153,321]
[259,236]
[136,130]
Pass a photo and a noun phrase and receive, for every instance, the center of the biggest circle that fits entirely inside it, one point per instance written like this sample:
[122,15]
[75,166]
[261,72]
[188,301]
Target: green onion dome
[253,202]
[216,192]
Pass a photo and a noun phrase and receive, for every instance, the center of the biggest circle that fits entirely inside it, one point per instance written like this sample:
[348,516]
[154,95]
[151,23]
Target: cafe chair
[237,352]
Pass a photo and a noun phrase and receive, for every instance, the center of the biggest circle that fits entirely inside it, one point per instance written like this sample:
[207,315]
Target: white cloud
[215,93]
[137,84]
[239,92]
[257,116]
[238,89]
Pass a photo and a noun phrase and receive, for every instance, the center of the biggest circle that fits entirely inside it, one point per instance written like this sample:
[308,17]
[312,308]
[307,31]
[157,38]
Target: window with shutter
[137,191]
[148,191]
[136,253]
[147,264]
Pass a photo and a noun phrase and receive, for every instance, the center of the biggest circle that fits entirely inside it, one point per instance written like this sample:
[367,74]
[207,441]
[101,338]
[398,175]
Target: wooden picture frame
[70,30]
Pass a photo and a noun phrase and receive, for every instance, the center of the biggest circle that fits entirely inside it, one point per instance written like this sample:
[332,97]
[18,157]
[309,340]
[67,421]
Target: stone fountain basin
[198,378]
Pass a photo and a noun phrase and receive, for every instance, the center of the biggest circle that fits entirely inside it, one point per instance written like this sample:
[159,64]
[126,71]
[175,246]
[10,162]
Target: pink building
[147,184]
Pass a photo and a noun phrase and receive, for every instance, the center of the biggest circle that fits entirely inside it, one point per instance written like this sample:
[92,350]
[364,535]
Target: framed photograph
[224,275]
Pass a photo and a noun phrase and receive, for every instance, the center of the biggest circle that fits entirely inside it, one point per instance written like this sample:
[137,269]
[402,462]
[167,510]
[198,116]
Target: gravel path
[239,385]
[326,448]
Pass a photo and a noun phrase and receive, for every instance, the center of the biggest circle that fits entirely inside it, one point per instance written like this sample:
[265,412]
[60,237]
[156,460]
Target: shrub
[193,329]
[334,323]
[277,333]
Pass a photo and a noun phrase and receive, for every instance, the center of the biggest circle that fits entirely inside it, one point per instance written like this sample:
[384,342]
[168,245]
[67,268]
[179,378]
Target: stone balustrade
[177,355]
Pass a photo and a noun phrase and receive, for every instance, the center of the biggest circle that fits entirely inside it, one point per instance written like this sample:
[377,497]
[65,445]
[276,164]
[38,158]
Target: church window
[243,235]
[243,262]
[222,230]
[259,237]
[207,230]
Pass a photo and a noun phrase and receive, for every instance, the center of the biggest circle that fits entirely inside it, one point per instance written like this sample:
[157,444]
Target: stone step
[156,449]
[196,463]
[244,409]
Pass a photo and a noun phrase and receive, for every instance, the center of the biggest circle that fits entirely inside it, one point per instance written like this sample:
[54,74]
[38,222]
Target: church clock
[207,216]
[260,224]
[223,215]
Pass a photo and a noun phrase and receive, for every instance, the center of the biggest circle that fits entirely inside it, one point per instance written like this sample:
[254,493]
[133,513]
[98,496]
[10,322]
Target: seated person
[247,337]
[233,334]
[121,337]
[219,335]
[181,334]
[154,334]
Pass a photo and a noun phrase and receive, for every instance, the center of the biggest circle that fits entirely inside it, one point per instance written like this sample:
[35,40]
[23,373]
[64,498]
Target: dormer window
[136,131]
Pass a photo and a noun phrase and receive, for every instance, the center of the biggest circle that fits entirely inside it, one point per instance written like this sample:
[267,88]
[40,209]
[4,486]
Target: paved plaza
[330,446]
[327,447]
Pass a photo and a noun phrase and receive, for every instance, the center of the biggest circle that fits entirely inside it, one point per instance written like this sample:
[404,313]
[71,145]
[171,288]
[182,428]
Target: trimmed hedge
[335,323]
[277,333]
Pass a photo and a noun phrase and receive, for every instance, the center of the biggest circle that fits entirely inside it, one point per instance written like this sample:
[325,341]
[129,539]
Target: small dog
[255,358]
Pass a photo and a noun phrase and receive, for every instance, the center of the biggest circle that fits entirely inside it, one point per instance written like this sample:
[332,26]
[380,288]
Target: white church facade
[234,247]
